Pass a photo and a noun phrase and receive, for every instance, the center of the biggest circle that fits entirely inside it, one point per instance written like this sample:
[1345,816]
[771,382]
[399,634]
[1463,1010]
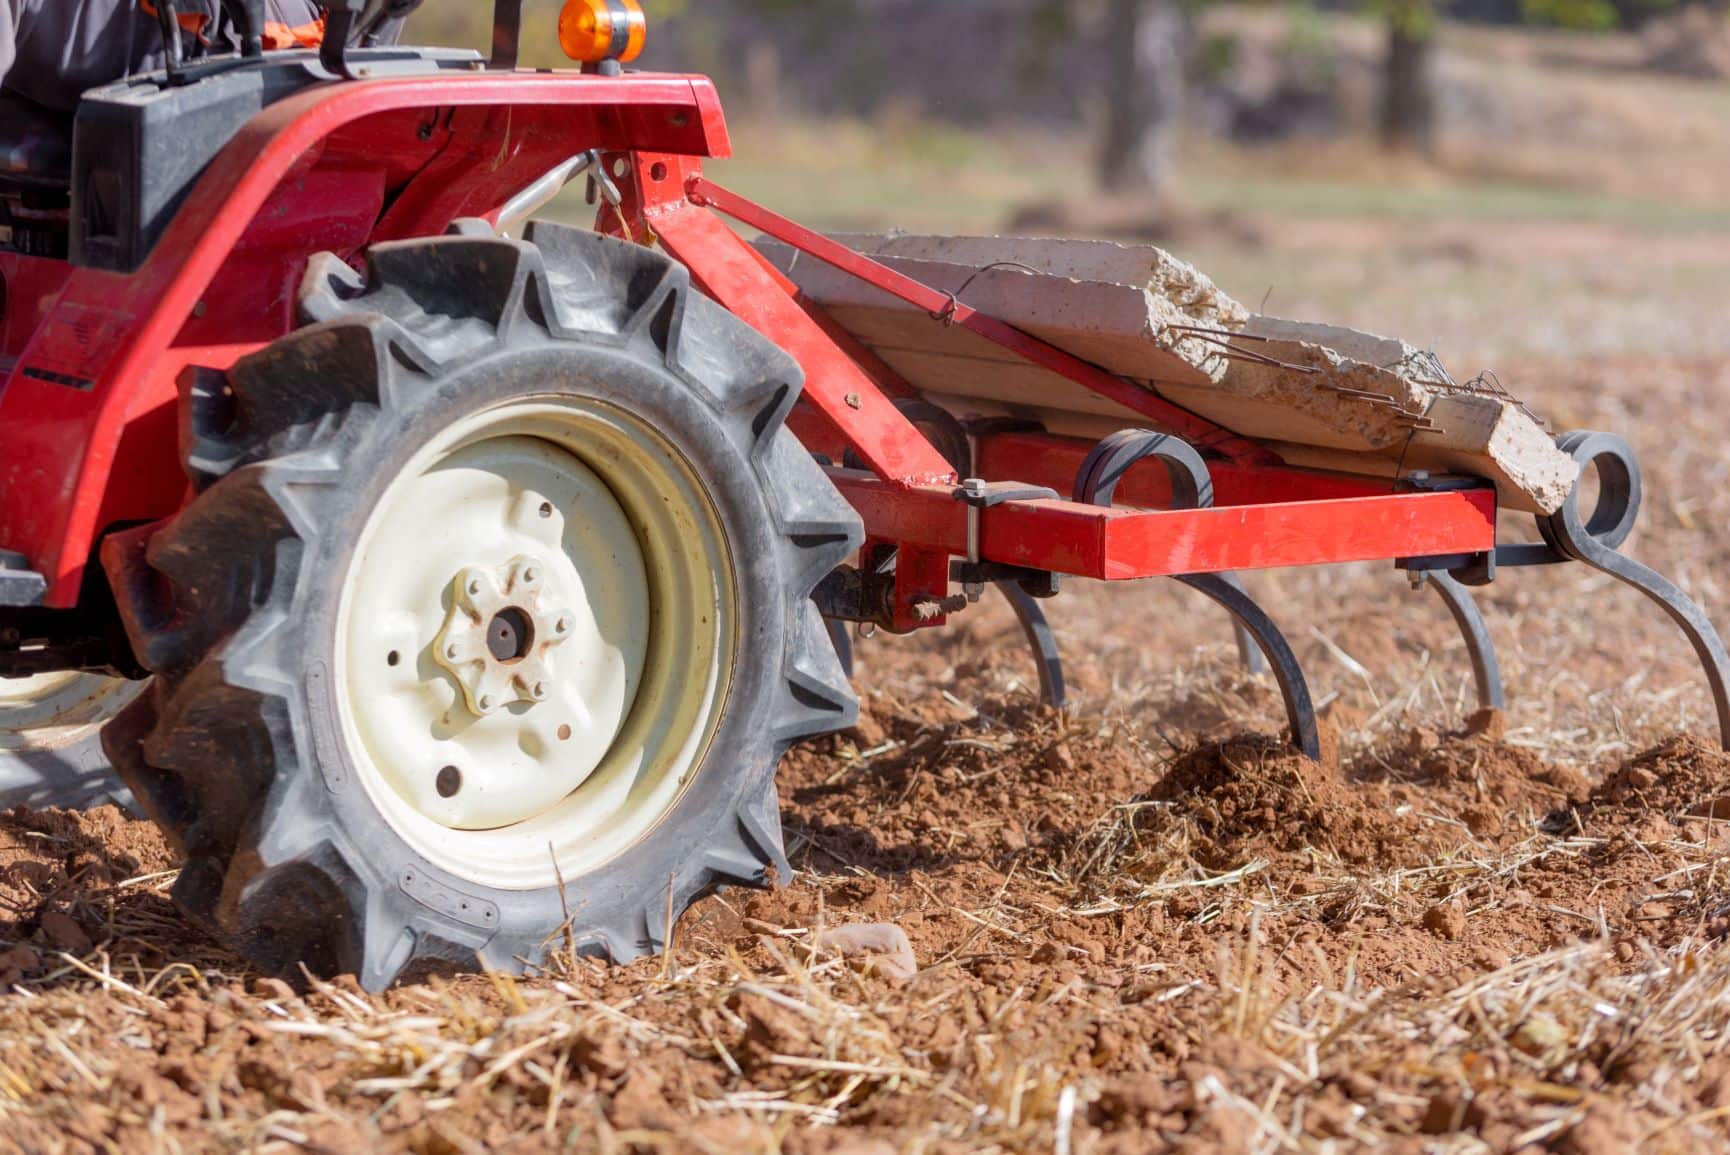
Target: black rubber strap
[621,28]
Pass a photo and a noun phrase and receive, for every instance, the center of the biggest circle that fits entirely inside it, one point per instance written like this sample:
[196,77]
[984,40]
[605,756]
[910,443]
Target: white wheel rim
[50,710]
[556,594]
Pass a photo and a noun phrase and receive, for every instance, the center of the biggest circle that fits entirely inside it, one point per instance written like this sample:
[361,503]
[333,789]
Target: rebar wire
[1234,353]
[1212,332]
[1485,384]
[1414,421]
[1400,465]
[1491,385]
[947,313]
[1436,364]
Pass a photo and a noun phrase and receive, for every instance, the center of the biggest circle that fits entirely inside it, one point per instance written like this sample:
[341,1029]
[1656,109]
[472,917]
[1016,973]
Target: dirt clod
[62,932]
[1446,921]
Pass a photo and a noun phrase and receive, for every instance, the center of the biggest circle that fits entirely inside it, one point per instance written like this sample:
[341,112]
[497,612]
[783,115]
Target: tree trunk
[1145,94]
[1408,85]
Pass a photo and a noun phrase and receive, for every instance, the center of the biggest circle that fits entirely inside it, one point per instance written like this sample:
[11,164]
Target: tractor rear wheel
[50,739]
[492,619]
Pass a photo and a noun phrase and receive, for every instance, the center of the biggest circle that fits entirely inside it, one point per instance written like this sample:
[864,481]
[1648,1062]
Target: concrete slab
[1322,393]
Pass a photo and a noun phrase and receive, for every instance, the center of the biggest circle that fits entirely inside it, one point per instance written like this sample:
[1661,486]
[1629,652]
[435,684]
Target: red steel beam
[1121,544]
[1191,427]
[729,271]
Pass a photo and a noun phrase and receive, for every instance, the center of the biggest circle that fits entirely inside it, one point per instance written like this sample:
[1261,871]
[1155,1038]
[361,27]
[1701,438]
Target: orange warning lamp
[591,31]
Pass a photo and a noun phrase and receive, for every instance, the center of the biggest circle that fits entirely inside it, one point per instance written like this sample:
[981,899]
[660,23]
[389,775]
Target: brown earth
[1143,926]
[1119,952]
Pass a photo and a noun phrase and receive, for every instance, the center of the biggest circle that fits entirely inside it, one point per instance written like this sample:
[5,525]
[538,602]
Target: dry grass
[731,1054]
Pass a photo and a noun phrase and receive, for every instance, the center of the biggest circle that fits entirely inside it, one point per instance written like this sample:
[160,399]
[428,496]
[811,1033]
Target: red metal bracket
[735,274]
[1266,515]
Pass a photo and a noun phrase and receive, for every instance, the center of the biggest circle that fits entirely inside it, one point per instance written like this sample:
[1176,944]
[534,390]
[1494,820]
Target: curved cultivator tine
[1595,541]
[1248,649]
[1486,670]
[1192,488]
[1045,653]
[1300,711]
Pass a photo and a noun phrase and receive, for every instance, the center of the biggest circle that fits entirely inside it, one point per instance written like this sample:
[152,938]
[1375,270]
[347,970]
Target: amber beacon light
[591,31]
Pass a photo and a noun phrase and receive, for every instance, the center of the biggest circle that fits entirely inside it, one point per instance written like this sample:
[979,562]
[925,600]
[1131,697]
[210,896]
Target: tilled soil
[1145,925]
[1230,949]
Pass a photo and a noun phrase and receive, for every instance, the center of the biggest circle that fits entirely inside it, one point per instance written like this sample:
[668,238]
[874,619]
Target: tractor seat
[35,144]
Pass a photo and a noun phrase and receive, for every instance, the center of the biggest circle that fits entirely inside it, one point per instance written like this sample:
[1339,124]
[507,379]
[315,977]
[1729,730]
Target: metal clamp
[978,494]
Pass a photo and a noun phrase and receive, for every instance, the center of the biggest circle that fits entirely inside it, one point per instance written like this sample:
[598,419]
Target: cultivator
[479,582]
[1187,500]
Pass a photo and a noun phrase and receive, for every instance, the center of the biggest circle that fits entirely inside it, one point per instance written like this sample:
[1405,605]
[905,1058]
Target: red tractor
[442,585]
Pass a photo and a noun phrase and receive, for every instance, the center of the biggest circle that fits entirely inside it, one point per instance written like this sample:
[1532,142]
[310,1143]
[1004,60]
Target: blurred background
[1496,178]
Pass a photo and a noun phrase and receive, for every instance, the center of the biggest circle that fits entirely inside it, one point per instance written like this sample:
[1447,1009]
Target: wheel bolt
[451,651]
[449,781]
[538,691]
[562,626]
[486,701]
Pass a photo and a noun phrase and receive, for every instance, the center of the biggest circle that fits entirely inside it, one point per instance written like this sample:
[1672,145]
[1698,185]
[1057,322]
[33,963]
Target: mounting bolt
[929,609]
[854,401]
[974,487]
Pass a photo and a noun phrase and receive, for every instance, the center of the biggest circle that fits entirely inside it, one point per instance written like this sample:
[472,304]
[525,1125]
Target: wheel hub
[503,625]
[536,638]
[498,632]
